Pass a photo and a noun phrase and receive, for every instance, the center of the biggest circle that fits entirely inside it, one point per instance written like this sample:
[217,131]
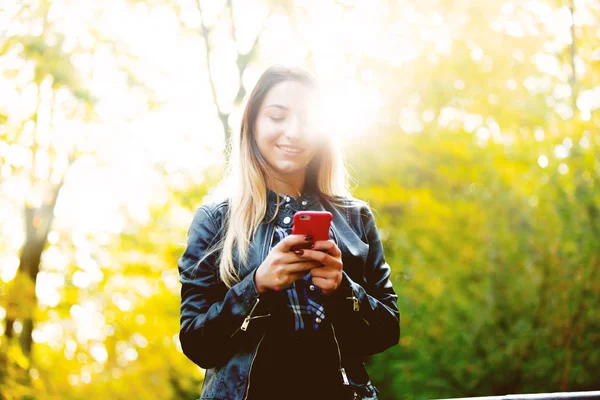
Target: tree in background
[34,156]
[45,131]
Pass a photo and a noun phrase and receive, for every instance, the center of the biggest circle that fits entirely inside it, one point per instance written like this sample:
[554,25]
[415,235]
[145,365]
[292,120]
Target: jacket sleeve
[368,314]
[211,315]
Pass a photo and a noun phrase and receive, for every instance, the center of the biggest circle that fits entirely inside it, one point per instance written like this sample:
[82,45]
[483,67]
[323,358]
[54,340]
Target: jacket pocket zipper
[249,318]
[355,304]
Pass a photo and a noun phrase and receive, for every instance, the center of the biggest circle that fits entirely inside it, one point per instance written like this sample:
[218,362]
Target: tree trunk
[37,226]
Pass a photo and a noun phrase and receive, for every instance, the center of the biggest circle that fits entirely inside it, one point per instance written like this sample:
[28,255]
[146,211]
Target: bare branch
[242,61]
[205,31]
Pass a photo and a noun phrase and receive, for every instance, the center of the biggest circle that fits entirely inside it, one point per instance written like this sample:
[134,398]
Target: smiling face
[284,131]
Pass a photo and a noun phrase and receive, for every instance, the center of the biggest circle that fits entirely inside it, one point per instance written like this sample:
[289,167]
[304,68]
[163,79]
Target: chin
[289,168]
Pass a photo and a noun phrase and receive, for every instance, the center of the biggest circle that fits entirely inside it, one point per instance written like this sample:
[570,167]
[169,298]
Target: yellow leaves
[20,297]
[424,243]
[435,287]
[390,193]
[15,354]
[468,253]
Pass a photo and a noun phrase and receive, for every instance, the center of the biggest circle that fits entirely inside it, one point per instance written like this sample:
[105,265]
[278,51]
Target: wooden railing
[595,395]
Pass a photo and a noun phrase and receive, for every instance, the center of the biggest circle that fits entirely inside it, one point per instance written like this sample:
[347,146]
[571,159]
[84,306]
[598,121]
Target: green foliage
[496,268]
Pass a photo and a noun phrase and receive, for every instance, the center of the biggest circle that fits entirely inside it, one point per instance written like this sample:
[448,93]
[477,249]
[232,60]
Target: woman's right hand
[283,266]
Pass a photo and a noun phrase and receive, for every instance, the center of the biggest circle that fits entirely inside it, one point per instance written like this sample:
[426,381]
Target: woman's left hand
[329,276]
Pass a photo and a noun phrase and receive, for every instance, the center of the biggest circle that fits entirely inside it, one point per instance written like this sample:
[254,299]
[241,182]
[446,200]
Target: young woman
[264,321]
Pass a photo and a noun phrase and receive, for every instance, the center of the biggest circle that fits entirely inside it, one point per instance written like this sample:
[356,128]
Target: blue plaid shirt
[305,300]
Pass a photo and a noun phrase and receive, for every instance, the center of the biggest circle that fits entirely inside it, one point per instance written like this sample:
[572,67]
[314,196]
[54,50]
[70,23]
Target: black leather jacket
[222,329]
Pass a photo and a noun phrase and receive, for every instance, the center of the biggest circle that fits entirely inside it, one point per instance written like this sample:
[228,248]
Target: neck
[289,187]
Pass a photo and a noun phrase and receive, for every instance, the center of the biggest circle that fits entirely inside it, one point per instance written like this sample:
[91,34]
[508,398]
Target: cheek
[265,133]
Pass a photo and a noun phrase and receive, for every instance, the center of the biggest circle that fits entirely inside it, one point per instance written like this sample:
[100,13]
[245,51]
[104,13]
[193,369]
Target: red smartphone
[313,223]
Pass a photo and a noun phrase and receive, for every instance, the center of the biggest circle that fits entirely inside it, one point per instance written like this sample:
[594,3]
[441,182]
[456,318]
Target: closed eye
[276,118]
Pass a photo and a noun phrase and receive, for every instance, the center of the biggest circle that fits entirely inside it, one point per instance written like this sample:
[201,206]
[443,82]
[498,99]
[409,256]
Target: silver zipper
[342,370]
[249,316]
[251,364]
[355,304]
[248,319]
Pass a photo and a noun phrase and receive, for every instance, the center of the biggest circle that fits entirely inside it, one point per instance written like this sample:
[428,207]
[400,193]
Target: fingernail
[312,246]
[308,238]
[299,252]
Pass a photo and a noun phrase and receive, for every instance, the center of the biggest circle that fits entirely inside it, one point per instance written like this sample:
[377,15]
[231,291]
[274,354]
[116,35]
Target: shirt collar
[305,202]
[309,194]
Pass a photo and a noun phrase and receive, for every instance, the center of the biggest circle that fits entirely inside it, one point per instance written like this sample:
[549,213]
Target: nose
[294,130]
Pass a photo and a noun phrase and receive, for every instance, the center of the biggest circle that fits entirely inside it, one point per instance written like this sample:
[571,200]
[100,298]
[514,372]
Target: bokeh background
[471,127]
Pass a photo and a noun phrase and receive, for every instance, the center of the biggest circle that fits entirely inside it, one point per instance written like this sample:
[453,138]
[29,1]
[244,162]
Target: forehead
[293,95]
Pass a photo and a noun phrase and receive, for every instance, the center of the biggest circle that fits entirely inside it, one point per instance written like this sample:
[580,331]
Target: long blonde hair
[245,181]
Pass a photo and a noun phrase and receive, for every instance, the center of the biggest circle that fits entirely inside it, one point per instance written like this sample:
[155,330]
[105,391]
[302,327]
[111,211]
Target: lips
[291,149]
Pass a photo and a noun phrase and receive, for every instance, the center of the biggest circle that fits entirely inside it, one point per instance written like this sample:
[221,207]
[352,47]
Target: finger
[301,266]
[295,257]
[326,285]
[323,258]
[289,241]
[292,257]
[328,245]
[325,273]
